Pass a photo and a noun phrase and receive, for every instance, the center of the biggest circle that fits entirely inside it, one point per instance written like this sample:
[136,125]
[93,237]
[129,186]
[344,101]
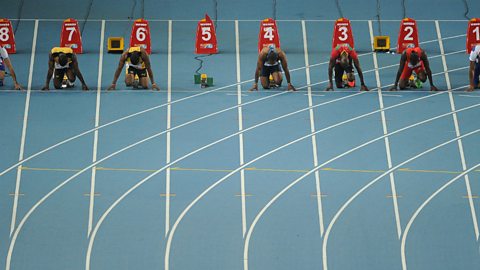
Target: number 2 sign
[206,40]
[268,34]
[408,35]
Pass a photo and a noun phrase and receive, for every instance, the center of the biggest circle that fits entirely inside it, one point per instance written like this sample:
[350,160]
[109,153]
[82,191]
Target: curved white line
[339,212]
[259,215]
[417,212]
[176,101]
[27,215]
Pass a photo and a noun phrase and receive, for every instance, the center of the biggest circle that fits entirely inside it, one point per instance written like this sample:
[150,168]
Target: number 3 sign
[342,33]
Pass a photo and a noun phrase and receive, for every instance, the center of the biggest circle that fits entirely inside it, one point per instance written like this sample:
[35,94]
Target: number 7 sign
[70,36]
[206,40]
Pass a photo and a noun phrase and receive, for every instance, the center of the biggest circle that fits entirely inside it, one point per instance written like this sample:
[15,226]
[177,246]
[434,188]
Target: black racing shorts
[141,73]
[267,70]
[339,71]
[60,73]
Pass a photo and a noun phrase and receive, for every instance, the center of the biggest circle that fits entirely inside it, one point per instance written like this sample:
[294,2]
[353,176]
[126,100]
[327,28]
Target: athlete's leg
[476,75]
[265,82]
[277,78]
[338,75]
[58,78]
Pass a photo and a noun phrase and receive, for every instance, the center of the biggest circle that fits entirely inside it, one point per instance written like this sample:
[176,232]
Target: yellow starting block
[115,44]
[381,43]
[203,80]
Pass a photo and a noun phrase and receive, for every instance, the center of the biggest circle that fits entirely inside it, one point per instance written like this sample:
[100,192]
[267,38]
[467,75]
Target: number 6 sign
[140,36]
[206,40]
[408,35]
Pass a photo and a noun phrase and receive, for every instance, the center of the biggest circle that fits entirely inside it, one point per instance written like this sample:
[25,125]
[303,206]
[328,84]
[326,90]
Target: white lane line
[344,206]
[425,203]
[240,129]
[169,126]
[389,95]
[95,134]
[312,130]
[265,208]
[457,134]
[163,105]
[386,140]
[474,96]
[24,130]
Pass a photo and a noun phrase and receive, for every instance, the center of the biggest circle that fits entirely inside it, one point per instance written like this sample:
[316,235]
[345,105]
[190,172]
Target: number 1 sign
[342,33]
[70,36]
[206,40]
[140,36]
[268,34]
[408,35]
[473,34]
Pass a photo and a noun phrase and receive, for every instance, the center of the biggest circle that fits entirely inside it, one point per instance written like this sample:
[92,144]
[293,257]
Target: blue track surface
[182,188]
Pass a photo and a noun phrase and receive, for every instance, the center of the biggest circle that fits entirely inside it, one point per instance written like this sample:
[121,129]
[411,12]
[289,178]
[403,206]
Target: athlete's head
[272,55]
[62,59]
[135,58]
[414,58]
[344,61]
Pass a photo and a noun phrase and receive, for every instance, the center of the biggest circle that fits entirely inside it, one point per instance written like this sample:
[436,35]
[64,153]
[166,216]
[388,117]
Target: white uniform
[3,55]
[475,54]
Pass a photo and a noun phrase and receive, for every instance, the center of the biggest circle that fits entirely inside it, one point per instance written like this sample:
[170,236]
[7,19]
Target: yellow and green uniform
[138,69]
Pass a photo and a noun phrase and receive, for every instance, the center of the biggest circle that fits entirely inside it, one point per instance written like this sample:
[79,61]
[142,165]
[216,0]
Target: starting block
[408,35]
[381,43]
[7,37]
[203,80]
[473,34]
[346,82]
[70,36]
[140,36]
[342,33]
[206,39]
[115,45]
[268,34]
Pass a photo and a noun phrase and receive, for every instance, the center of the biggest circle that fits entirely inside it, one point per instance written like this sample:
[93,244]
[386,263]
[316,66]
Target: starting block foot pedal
[203,80]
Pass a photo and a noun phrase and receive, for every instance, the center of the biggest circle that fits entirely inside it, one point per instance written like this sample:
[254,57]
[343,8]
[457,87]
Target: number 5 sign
[408,35]
[473,34]
[268,34]
[206,40]
[70,36]
[342,33]
[140,36]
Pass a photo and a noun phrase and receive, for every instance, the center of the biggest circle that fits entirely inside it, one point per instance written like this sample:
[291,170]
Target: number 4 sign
[408,35]
[7,39]
[70,36]
[206,40]
[342,33]
[140,36]
[473,34]
[268,34]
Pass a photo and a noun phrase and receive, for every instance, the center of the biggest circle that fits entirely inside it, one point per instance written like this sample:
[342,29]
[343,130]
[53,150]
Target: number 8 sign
[7,39]
[140,36]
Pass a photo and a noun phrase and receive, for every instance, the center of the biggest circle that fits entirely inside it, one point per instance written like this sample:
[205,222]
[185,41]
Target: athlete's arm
[121,63]
[257,70]
[9,65]
[360,74]
[331,64]
[283,59]
[146,60]
[424,58]
[471,73]
[403,60]
[51,66]
[76,69]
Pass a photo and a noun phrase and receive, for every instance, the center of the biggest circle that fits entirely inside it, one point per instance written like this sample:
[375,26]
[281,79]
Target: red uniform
[408,68]
[337,51]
